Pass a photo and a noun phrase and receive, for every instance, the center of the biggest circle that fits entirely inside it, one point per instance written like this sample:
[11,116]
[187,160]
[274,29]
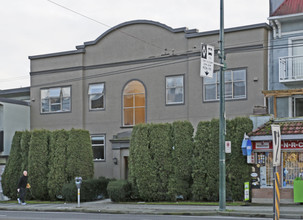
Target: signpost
[276,147]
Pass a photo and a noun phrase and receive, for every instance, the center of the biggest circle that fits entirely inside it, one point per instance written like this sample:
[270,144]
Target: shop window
[133,103]
[174,90]
[292,167]
[98,145]
[56,100]
[96,96]
[264,159]
[235,85]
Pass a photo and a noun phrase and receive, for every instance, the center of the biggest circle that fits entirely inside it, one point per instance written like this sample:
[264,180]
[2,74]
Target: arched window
[133,103]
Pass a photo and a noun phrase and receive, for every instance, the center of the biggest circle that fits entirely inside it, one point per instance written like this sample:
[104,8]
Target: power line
[94,20]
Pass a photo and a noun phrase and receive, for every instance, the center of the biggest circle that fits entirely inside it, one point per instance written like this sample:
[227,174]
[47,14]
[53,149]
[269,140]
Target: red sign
[291,144]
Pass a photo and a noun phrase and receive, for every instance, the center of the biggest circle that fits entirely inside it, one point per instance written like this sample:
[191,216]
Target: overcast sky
[35,27]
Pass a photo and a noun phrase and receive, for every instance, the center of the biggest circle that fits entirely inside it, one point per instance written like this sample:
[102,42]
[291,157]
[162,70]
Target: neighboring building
[14,116]
[144,72]
[285,101]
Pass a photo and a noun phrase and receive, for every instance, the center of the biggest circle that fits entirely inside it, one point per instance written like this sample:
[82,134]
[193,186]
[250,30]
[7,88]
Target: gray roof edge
[14,101]
[228,30]
[79,50]
[174,30]
[15,90]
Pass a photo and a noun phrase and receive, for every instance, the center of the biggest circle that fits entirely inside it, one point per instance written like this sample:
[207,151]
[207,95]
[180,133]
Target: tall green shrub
[182,155]
[79,155]
[57,163]
[38,157]
[161,150]
[13,171]
[25,141]
[202,149]
[141,165]
[237,169]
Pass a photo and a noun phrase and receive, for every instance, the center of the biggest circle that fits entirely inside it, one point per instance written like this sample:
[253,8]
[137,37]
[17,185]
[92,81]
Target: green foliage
[25,141]
[80,155]
[180,178]
[13,172]
[160,148]
[38,157]
[57,163]
[237,169]
[141,165]
[205,162]
[90,190]
[119,190]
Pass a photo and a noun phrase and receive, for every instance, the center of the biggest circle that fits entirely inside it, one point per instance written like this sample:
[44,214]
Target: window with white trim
[56,100]
[174,90]
[98,145]
[235,85]
[96,96]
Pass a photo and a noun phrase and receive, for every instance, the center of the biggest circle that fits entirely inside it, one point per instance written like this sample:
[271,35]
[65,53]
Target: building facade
[285,102]
[144,72]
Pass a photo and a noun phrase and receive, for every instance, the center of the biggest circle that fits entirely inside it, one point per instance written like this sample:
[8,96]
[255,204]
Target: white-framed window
[235,85]
[174,89]
[96,96]
[98,145]
[56,99]
[264,159]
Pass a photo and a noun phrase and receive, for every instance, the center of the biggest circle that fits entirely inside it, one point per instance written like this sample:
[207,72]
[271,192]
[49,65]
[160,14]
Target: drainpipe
[274,28]
[278,23]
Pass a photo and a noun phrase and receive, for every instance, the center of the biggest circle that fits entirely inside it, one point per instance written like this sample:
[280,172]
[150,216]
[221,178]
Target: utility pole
[222,172]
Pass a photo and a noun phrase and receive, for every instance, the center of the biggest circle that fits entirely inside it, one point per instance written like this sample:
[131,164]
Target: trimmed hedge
[180,178]
[90,190]
[38,159]
[13,172]
[119,190]
[80,155]
[57,174]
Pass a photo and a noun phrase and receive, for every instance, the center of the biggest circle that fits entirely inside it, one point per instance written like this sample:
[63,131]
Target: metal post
[222,185]
[78,197]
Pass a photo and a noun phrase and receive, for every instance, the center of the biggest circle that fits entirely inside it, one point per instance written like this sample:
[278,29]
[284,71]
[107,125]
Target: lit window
[55,100]
[235,85]
[292,167]
[133,103]
[96,96]
[98,145]
[174,90]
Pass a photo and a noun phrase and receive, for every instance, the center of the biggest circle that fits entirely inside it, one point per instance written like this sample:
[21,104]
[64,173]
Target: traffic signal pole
[222,168]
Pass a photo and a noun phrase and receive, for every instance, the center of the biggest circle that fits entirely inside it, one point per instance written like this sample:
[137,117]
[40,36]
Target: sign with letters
[207,60]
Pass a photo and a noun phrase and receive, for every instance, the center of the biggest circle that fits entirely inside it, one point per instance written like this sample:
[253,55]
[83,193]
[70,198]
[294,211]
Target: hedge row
[167,163]
[52,159]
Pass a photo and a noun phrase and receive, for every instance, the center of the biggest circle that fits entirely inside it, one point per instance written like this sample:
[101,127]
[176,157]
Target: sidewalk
[106,206]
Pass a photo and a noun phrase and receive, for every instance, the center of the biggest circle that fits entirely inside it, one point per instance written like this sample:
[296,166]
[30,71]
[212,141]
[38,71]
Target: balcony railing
[291,69]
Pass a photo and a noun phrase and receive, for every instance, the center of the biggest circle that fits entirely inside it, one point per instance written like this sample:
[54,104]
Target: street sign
[207,60]
[276,144]
[228,147]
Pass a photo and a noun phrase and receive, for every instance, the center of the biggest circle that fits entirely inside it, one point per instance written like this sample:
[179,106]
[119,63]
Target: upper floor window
[56,99]
[235,85]
[96,96]
[175,89]
[133,103]
[98,145]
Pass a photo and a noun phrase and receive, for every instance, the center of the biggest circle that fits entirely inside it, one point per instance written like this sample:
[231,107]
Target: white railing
[291,69]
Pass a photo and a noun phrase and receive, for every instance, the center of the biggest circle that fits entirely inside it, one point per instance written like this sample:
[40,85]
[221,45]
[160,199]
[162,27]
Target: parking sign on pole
[276,144]
[207,60]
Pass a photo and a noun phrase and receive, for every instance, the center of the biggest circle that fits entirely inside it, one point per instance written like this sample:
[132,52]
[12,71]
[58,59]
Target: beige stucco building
[144,72]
